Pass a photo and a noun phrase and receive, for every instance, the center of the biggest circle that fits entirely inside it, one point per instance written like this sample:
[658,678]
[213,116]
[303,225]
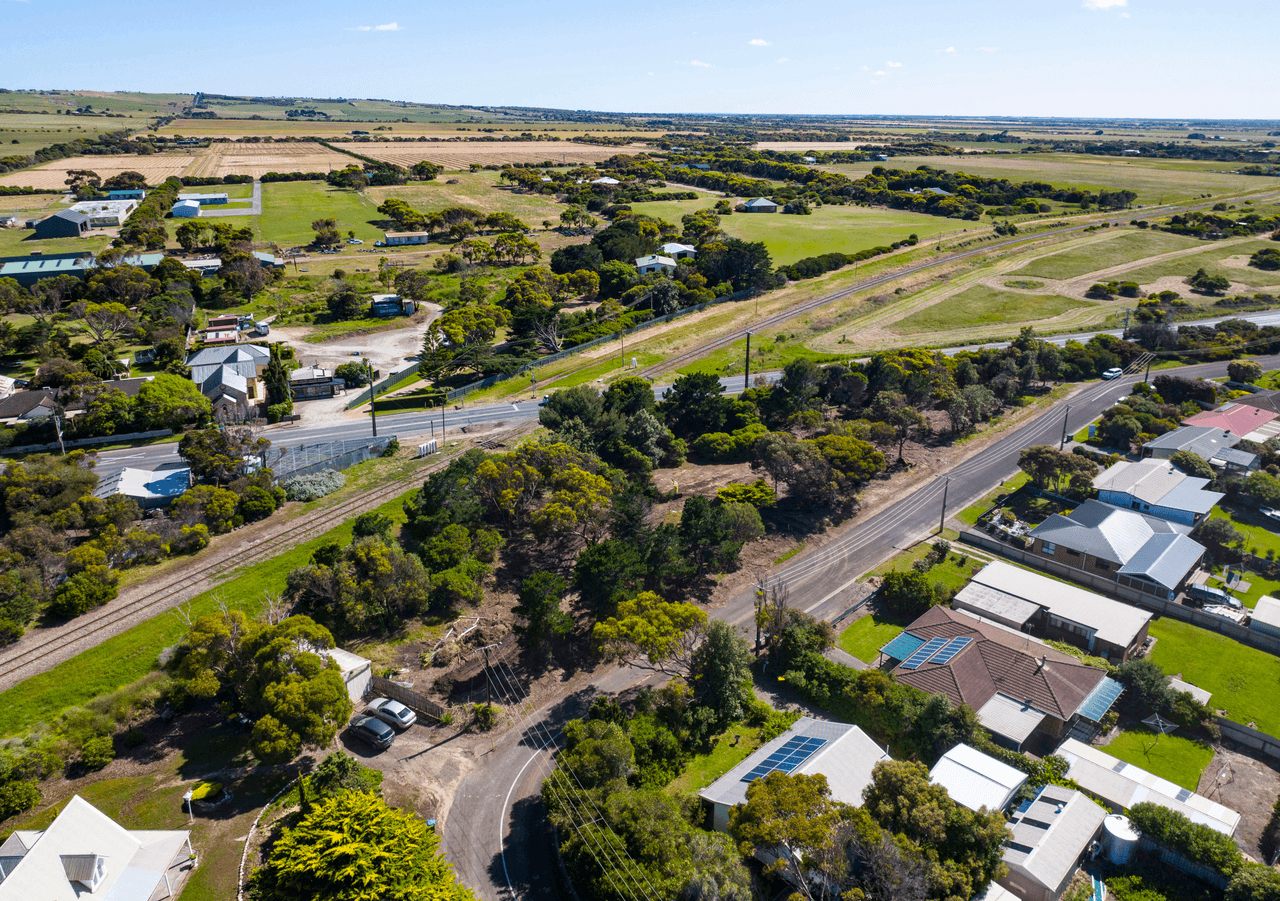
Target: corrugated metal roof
[1239,419]
[975,779]
[1013,719]
[1165,559]
[1203,441]
[1053,834]
[1267,611]
[1198,693]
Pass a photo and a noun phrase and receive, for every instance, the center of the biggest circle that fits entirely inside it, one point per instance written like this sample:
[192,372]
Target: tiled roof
[1237,418]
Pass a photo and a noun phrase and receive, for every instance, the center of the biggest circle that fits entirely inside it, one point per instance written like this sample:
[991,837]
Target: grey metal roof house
[1158,488]
[841,752]
[243,359]
[27,270]
[1050,837]
[1026,601]
[677,251]
[1233,459]
[149,489]
[654,263]
[63,224]
[975,779]
[760,205]
[1203,441]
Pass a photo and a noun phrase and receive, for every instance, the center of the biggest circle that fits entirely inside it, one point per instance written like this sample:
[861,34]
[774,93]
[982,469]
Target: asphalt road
[496,835]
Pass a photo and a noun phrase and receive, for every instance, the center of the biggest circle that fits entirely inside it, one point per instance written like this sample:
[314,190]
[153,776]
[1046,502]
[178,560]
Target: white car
[393,713]
[1113,373]
[354,241]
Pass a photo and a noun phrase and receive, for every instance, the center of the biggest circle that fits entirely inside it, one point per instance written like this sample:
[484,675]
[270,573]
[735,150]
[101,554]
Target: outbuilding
[977,780]
[63,224]
[678,251]
[185,209]
[398,239]
[1266,616]
[760,205]
[1050,838]
[151,490]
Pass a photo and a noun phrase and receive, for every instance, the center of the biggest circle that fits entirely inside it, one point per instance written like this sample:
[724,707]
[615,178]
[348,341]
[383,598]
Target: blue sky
[1126,58]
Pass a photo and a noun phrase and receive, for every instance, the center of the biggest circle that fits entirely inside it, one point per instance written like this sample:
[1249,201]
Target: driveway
[253,209]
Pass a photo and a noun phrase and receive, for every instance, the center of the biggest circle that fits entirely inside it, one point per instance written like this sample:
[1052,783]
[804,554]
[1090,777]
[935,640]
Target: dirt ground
[1248,786]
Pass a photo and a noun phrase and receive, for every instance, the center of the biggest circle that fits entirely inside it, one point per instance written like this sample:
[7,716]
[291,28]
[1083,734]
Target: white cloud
[699,63]
[894,65]
[1104,4]
[783,59]
[1122,15]
[758,42]
[866,69]
[950,50]
[390,26]
[881,72]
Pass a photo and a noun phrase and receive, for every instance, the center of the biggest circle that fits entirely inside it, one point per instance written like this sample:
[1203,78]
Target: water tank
[1119,838]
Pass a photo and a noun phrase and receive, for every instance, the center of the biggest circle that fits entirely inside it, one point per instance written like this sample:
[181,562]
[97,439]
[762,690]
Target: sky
[1178,59]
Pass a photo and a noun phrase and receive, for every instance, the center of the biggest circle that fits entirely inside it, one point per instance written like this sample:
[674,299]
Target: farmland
[221,159]
[461,154]
[289,208]
[1112,249]
[155,167]
[478,190]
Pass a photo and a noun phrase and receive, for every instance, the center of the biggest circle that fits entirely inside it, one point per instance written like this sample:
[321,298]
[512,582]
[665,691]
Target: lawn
[1178,759]
[1112,250]
[830,228]
[289,208]
[704,769]
[981,305]
[478,190]
[1243,680]
[1211,261]
[995,496]
[1258,538]
[868,634]
[128,657]
[22,241]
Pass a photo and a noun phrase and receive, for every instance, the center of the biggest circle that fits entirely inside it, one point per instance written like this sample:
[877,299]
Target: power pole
[943,518]
[1063,442]
[57,425]
[373,389]
[1147,378]
[746,379]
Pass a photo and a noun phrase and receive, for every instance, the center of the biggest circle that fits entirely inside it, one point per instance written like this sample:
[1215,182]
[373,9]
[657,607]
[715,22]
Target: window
[1048,547]
[1103,565]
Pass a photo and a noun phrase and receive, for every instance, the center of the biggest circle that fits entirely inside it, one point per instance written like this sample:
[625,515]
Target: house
[1204,441]
[1238,419]
[230,376]
[760,205]
[1050,838]
[1032,603]
[63,224]
[268,260]
[1264,400]
[25,406]
[397,239]
[85,852]
[1025,692]
[1235,460]
[606,180]
[1266,616]
[810,159]
[126,194]
[841,752]
[1099,542]
[205,199]
[702,167]
[151,490]
[221,330]
[357,672]
[1122,785]
[312,382]
[383,305]
[977,780]
[655,263]
[105,213]
[678,251]
[206,266]
[185,209]
[1157,488]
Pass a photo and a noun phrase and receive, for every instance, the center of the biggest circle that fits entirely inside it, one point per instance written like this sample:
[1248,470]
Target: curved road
[496,835]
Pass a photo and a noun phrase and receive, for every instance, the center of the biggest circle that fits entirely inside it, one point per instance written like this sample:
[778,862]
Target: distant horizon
[1072,59]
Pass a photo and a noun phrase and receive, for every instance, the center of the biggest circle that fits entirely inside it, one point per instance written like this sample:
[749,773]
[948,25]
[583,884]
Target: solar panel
[955,646]
[1184,794]
[930,647]
[794,751]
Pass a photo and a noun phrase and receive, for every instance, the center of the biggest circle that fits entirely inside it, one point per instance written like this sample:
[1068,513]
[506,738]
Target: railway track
[26,658]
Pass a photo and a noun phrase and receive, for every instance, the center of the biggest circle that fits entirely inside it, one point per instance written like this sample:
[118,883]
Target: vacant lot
[1241,679]
[1109,250]
[289,208]
[845,229]
[1230,260]
[156,167]
[868,634]
[478,190]
[461,154]
[981,305]
[1155,180]
[219,160]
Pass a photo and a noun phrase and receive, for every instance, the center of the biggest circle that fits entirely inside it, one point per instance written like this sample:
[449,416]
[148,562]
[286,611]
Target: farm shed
[205,199]
[185,209]
[63,224]
[397,239]
[126,194]
[106,213]
[1266,616]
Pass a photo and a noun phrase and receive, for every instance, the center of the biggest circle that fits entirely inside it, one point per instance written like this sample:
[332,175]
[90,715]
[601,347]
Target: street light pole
[373,389]
[746,379]
[943,518]
[1063,442]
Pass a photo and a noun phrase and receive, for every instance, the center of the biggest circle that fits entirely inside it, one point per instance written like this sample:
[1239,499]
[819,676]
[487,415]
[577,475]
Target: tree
[243,273]
[694,405]
[1264,487]
[105,322]
[1254,883]
[720,671]
[539,607]
[905,421]
[354,374]
[344,304]
[327,233]
[1247,371]
[713,534]
[907,592]
[1209,284]
[1192,464]
[653,633]
[222,455]
[353,847]
[791,812]
[170,402]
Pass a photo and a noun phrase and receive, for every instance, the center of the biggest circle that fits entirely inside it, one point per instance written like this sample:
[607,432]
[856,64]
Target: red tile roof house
[1238,419]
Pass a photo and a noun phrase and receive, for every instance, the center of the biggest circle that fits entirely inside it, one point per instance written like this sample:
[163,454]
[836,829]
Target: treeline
[1213,226]
[1158,150]
[110,143]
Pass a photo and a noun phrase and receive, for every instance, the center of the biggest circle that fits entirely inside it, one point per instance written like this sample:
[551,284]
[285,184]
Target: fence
[304,459]
[87,442]
[385,688]
[385,385]
[1251,738]
[1176,860]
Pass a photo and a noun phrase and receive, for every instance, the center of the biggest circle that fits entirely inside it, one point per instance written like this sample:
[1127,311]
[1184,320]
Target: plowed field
[461,154]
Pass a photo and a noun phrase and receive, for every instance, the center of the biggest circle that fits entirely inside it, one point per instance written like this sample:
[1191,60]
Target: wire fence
[309,458]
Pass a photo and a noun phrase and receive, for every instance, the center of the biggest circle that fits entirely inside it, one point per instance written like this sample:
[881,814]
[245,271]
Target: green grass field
[1211,261]
[981,305]
[1178,759]
[478,190]
[868,634]
[289,208]
[1241,679]
[21,241]
[1154,180]
[1112,249]
[845,229]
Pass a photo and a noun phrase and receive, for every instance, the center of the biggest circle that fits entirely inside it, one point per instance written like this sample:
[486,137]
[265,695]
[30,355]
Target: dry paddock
[155,167]
[461,154]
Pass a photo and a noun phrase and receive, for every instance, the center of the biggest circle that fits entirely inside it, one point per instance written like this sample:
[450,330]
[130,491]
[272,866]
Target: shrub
[255,503]
[1198,843]
[313,485]
[82,592]
[97,753]
[276,412]
[486,716]
[18,796]
[190,539]
[393,446]
[9,631]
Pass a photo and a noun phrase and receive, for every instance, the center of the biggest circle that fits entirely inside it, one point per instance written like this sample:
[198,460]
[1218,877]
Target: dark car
[1207,594]
[374,731]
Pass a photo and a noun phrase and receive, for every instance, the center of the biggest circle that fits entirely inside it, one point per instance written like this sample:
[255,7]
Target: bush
[190,539]
[255,504]
[276,412]
[18,796]
[486,716]
[1196,842]
[97,753]
[313,485]
[82,592]
[393,446]
[9,631]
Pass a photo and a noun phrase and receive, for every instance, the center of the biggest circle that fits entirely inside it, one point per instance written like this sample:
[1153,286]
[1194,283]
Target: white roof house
[149,489]
[605,180]
[677,251]
[654,263]
[1157,488]
[975,779]
[83,852]
[1124,785]
[1266,616]
[839,751]
[1049,839]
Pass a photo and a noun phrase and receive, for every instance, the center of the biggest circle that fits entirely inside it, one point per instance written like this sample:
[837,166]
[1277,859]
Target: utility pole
[1147,378]
[373,389]
[1063,442]
[57,425]
[746,379]
[943,518]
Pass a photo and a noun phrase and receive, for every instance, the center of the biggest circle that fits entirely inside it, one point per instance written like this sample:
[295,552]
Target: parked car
[1113,373]
[379,243]
[373,731]
[393,713]
[1207,594]
[354,241]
